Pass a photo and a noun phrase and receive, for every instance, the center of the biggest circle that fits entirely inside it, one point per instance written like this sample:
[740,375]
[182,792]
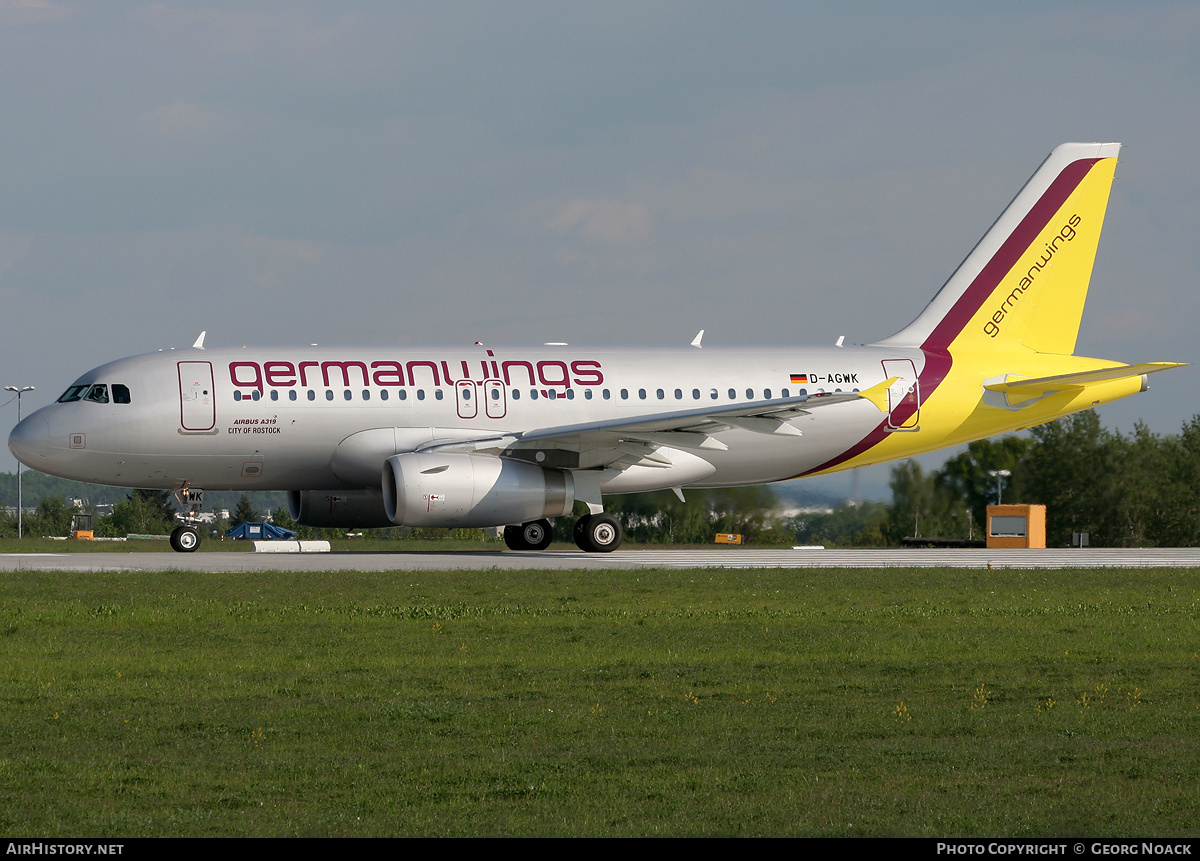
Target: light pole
[999,475]
[20,499]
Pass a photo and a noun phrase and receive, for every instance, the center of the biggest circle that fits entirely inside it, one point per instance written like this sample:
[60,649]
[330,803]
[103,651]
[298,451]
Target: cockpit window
[97,394]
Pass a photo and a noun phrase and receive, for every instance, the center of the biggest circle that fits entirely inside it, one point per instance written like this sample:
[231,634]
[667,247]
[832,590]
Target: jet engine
[469,490]
[340,509]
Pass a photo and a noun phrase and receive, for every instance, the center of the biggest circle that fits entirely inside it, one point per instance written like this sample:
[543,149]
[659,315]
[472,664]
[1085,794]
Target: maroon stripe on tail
[1007,255]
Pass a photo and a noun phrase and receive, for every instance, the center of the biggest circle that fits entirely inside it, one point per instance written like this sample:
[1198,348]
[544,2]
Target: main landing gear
[534,535]
[594,533]
[598,533]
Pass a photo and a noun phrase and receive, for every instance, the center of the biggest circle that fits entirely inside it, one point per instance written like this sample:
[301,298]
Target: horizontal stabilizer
[1079,380]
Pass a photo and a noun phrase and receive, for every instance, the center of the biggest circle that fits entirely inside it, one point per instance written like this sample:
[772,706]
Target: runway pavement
[622,559]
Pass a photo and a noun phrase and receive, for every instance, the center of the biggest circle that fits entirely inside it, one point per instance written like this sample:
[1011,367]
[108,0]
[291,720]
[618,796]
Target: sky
[597,173]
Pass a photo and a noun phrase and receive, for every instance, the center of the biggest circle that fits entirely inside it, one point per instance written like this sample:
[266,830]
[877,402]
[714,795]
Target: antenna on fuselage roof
[199,345]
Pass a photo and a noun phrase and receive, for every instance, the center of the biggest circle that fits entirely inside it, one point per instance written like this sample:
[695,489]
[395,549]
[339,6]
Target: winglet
[696,340]
[199,345]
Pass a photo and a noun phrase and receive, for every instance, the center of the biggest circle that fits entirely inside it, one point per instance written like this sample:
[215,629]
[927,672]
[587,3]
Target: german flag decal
[799,378]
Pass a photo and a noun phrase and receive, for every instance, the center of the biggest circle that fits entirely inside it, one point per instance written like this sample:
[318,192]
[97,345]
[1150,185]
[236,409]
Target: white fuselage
[277,419]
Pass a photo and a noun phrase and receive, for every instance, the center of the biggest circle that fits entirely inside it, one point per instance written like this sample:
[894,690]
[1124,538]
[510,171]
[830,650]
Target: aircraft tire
[513,539]
[598,533]
[537,534]
[185,539]
[580,533]
[534,535]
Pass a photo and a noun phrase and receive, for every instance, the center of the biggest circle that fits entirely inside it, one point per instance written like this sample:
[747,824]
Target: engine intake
[467,490]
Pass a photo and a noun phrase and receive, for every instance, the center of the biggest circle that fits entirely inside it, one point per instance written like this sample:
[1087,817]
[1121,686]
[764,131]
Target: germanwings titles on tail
[478,436]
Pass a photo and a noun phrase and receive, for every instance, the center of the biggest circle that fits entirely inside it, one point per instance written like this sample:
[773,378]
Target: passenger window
[383,395]
[366,394]
[713,394]
[274,394]
[329,394]
[347,395]
[624,394]
[749,394]
[767,394]
[255,395]
[732,394]
[292,395]
[312,396]
[642,394]
[120,394]
[587,394]
[437,393]
[695,394]
[420,394]
[605,393]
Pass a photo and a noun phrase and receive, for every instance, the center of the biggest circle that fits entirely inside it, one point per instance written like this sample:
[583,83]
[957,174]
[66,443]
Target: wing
[626,441]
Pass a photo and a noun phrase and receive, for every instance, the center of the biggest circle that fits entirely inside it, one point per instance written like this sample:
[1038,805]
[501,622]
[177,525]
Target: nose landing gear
[185,539]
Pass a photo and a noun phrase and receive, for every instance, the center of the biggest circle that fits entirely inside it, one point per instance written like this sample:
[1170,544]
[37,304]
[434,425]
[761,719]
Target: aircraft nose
[29,440]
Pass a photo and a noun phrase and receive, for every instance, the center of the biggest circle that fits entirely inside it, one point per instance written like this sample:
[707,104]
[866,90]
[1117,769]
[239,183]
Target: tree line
[1125,490]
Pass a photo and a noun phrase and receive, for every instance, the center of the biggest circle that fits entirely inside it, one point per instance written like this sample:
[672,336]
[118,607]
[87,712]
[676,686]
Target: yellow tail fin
[1026,281]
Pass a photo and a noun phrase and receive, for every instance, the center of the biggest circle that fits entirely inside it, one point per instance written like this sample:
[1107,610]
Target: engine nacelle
[339,509]
[468,490]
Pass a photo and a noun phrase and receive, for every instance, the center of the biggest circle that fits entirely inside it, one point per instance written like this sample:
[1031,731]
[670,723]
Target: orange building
[1016,526]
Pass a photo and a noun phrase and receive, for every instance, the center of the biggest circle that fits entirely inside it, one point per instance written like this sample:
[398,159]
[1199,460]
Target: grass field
[814,702]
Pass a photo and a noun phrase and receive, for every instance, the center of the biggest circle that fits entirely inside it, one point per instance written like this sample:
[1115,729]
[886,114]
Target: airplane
[481,436]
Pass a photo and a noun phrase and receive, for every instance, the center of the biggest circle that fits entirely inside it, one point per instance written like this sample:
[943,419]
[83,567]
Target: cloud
[232,32]
[32,11]
[184,118]
[604,221]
